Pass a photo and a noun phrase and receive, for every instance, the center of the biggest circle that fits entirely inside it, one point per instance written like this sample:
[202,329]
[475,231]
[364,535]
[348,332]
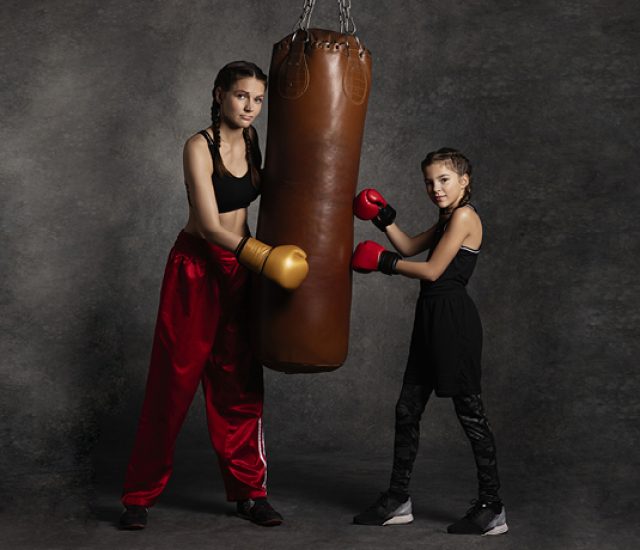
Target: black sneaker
[134,517]
[387,510]
[483,518]
[259,511]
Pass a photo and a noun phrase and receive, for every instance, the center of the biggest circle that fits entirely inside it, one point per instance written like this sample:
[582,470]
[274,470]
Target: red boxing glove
[368,203]
[370,256]
[371,205]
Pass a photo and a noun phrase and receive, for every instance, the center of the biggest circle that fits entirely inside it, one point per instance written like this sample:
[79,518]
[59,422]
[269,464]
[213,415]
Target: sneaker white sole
[497,530]
[399,520]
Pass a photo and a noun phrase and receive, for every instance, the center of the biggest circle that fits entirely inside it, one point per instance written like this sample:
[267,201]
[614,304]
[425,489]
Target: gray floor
[318,496]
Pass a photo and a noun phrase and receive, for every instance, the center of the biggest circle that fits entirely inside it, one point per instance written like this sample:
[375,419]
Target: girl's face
[242,103]
[444,186]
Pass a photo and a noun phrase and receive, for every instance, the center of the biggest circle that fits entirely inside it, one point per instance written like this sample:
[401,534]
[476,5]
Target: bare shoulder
[195,143]
[196,159]
[196,148]
[466,215]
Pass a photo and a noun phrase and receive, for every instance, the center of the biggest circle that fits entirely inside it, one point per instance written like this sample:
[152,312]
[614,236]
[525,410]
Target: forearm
[417,270]
[399,239]
[409,246]
[220,236]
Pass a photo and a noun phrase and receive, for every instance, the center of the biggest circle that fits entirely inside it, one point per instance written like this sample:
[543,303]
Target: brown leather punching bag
[319,84]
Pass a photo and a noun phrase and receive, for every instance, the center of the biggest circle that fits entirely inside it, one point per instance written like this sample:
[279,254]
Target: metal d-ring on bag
[319,82]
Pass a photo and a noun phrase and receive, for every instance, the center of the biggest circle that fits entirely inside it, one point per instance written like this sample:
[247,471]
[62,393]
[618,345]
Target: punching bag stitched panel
[319,84]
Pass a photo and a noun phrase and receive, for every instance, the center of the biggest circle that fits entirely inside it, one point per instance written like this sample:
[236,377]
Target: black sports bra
[232,193]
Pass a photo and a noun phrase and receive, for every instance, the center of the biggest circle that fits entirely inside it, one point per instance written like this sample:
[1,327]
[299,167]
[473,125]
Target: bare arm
[410,246]
[198,168]
[460,227]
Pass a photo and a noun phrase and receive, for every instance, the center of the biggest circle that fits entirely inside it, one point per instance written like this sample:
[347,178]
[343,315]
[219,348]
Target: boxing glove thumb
[286,265]
[368,203]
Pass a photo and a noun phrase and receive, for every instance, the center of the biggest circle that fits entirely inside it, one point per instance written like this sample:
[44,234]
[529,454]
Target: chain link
[305,17]
[347,25]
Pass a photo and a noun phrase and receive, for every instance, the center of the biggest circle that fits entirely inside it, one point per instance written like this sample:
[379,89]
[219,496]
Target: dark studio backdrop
[98,99]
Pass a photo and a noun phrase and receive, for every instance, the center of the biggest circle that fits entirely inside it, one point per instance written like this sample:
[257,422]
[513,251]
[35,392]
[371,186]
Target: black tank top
[232,193]
[458,272]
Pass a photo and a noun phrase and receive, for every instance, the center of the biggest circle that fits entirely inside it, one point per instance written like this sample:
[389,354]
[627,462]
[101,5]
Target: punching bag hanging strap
[293,77]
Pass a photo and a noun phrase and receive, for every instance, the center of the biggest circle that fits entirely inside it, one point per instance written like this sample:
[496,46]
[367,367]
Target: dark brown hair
[227,76]
[456,161]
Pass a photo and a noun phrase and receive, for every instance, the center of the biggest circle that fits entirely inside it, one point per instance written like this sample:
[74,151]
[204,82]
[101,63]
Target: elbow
[208,225]
[210,232]
[430,274]
[402,250]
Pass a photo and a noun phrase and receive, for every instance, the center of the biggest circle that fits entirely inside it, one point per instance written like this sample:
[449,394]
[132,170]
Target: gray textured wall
[97,100]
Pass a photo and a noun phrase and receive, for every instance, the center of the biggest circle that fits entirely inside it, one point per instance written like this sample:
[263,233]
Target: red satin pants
[201,337]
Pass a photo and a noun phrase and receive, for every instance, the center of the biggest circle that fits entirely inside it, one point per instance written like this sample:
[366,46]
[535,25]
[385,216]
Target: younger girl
[446,343]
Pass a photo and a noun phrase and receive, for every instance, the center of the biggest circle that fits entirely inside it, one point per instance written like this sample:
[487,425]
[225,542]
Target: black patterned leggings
[413,399]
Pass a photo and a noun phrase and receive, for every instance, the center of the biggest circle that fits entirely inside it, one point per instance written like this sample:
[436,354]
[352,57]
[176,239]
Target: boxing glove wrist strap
[387,262]
[240,246]
[386,216]
[253,254]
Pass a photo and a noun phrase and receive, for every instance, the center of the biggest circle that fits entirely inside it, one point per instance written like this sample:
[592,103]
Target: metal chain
[347,25]
[305,17]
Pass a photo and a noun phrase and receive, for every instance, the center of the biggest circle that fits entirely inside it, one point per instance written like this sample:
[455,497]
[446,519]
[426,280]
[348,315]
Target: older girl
[201,331]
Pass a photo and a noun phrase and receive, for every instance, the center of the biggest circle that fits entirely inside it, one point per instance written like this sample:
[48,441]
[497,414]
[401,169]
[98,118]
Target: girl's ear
[464,180]
[217,95]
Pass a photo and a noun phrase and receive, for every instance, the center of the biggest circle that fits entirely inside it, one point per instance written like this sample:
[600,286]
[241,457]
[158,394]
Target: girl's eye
[241,96]
[258,100]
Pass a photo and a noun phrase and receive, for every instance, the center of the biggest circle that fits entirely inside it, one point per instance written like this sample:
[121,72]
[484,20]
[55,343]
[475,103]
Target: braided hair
[457,162]
[226,77]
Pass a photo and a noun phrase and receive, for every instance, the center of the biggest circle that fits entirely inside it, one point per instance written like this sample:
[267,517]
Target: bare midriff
[234,221]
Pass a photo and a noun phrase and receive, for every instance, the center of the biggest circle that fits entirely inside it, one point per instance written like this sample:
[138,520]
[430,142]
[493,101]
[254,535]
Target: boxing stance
[201,330]
[446,343]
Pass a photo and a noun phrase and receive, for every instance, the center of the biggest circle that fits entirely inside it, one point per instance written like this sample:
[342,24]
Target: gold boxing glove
[286,264]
